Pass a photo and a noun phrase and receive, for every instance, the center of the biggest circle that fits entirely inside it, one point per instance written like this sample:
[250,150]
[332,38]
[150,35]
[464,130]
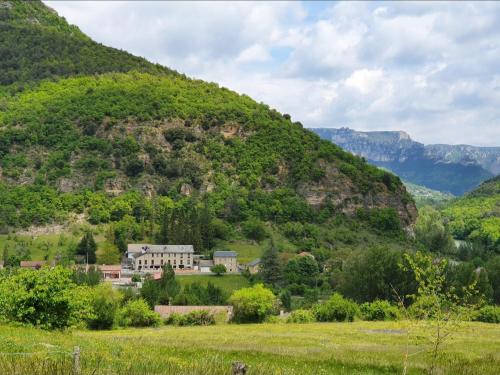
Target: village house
[205,265]
[111,272]
[227,258]
[147,257]
[253,266]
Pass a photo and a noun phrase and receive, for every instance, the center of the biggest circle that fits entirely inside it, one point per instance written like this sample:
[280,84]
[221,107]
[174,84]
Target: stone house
[205,265]
[253,266]
[111,272]
[227,258]
[147,257]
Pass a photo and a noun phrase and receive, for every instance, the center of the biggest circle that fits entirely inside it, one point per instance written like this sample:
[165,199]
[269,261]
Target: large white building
[145,257]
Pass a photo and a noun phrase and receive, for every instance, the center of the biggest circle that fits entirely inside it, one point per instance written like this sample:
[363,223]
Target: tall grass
[295,349]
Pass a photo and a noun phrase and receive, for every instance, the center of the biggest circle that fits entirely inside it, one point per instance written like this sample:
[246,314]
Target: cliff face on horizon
[448,168]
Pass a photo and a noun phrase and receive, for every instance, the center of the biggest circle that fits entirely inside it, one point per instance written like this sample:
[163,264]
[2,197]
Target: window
[152,261]
[145,261]
[162,262]
[139,262]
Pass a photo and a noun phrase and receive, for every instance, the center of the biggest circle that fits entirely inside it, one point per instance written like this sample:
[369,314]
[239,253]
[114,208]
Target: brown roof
[32,263]
[110,267]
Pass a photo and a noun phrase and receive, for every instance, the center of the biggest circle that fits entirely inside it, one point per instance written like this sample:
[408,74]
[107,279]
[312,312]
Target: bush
[105,304]
[336,309]
[252,304]
[218,269]
[47,298]
[379,310]
[254,229]
[301,316]
[137,314]
[488,314]
[273,319]
[193,318]
[422,308]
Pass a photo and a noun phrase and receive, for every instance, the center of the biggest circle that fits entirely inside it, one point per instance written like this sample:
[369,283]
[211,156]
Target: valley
[156,223]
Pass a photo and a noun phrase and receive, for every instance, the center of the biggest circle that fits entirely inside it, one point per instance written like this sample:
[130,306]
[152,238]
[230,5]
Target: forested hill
[96,123]
[38,44]
[477,215]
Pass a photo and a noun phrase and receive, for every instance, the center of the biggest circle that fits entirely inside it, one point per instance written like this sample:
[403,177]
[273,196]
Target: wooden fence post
[239,368]
[76,361]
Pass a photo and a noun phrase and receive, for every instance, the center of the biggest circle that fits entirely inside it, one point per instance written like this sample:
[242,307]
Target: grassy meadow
[328,348]
[228,283]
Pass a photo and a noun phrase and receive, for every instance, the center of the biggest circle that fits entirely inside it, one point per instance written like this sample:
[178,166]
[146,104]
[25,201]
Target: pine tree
[270,267]
[163,235]
[87,248]
[5,254]
[169,287]
[195,235]
[206,229]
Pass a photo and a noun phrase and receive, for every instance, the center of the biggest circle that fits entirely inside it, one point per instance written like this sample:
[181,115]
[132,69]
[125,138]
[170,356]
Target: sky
[431,69]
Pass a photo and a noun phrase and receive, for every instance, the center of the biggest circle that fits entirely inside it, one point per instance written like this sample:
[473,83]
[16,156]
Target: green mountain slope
[477,215]
[38,44]
[89,129]
[427,197]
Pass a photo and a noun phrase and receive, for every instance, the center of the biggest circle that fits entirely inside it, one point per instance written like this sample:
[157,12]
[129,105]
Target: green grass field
[329,348]
[228,283]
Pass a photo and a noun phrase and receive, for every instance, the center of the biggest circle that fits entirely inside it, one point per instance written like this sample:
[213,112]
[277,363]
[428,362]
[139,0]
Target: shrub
[193,318]
[488,314]
[336,309]
[273,319]
[105,303]
[199,318]
[379,310]
[47,298]
[218,269]
[252,304]
[137,314]
[422,308]
[254,229]
[136,278]
[301,316]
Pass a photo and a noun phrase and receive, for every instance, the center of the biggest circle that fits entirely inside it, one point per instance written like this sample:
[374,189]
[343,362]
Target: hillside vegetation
[38,44]
[90,132]
[477,215]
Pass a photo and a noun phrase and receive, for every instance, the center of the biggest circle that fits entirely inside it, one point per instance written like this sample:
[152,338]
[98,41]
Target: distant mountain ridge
[448,168]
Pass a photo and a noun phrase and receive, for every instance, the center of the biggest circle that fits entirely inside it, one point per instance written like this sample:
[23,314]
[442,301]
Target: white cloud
[430,68]
[364,80]
[255,53]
